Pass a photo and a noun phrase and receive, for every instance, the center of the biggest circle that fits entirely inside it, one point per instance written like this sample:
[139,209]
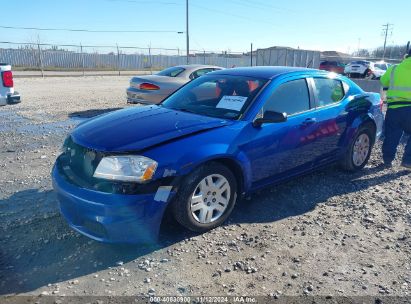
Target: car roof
[195,66]
[267,72]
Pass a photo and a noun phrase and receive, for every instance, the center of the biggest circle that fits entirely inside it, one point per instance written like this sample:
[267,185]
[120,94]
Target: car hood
[139,128]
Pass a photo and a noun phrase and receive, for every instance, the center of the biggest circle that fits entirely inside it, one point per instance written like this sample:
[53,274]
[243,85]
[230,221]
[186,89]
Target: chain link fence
[48,57]
[85,57]
[288,57]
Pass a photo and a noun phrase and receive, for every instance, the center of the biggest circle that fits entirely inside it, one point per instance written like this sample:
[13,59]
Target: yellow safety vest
[398,80]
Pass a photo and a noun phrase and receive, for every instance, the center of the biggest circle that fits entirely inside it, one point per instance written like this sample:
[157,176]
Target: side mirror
[270,117]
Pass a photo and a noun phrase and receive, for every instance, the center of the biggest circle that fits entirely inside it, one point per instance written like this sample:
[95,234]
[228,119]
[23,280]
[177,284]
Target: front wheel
[359,151]
[206,198]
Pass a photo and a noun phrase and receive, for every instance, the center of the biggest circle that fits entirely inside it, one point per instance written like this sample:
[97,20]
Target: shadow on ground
[45,250]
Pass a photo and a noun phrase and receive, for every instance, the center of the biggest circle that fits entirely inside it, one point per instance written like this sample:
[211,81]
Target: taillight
[149,86]
[7,78]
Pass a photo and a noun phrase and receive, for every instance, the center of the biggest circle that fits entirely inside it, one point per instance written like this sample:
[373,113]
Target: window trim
[345,88]
[177,67]
[192,73]
[310,97]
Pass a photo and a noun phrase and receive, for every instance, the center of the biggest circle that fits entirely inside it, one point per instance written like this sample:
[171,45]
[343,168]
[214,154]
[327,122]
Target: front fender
[215,152]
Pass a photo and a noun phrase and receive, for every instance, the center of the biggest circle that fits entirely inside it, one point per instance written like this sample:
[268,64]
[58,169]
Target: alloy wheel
[361,149]
[210,198]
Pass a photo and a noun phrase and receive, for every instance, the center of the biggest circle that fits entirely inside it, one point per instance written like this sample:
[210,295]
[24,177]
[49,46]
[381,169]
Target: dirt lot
[328,233]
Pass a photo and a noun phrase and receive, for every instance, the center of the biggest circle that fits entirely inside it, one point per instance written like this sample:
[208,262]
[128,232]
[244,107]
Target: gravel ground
[328,233]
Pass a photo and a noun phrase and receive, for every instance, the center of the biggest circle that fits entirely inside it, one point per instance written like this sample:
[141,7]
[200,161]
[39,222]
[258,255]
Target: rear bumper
[357,73]
[10,99]
[13,99]
[112,218]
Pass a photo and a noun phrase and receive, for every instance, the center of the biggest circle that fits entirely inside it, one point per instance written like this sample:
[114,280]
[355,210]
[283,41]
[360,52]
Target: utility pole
[118,59]
[82,59]
[386,28]
[187,35]
[251,54]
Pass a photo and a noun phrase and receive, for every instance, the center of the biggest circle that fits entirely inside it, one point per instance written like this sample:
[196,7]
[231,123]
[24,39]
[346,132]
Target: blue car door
[330,117]
[279,150]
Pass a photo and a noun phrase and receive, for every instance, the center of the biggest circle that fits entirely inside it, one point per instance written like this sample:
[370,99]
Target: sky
[214,25]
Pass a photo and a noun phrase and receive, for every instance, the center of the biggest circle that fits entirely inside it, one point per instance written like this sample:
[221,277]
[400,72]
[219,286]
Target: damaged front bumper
[113,218]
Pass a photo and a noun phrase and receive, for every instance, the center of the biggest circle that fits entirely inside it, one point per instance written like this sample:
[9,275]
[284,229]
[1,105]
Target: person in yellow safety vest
[397,81]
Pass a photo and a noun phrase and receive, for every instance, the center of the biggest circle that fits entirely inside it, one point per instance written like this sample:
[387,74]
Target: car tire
[193,209]
[359,150]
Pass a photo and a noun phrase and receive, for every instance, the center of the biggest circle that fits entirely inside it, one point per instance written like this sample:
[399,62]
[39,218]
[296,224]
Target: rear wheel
[367,73]
[206,198]
[359,150]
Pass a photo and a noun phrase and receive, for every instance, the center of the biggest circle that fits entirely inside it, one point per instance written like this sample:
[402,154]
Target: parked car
[377,73]
[152,89]
[198,152]
[380,68]
[7,93]
[332,66]
[359,69]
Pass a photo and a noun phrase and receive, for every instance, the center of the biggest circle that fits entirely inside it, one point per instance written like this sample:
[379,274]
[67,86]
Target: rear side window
[199,73]
[171,72]
[381,66]
[328,91]
[291,97]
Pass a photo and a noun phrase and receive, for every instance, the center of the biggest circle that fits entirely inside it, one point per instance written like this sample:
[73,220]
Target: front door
[278,150]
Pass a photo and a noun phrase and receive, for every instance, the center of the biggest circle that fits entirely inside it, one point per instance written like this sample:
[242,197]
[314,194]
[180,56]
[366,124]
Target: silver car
[153,89]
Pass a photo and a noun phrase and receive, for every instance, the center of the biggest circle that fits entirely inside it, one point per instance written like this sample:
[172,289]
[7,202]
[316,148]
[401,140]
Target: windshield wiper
[197,113]
[185,110]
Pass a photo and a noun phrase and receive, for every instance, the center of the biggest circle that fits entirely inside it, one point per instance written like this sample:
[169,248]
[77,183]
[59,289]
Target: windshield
[222,96]
[171,72]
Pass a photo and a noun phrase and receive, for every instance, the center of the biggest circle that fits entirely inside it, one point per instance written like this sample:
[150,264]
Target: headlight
[126,168]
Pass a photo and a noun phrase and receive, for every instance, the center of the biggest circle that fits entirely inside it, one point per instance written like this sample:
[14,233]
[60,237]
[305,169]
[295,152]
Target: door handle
[309,121]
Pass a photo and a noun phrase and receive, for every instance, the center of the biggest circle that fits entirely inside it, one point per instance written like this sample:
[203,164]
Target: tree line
[391,52]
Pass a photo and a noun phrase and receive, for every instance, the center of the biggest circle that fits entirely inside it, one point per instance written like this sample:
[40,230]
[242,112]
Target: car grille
[79,163]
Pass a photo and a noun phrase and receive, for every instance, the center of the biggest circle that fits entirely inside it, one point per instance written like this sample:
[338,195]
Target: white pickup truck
[7,93]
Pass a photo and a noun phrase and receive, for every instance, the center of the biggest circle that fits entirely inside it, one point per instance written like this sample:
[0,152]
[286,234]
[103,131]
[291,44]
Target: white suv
[7,93]
[359,69]
[380,68]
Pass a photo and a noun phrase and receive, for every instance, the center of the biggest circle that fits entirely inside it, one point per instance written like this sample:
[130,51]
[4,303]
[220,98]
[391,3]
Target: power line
[113,46]
[87,31]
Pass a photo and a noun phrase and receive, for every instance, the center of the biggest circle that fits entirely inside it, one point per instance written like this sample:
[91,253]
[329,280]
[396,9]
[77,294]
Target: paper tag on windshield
[232,102]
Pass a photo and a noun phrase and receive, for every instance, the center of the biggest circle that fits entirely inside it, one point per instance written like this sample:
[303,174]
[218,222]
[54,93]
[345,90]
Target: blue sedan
[218,138]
